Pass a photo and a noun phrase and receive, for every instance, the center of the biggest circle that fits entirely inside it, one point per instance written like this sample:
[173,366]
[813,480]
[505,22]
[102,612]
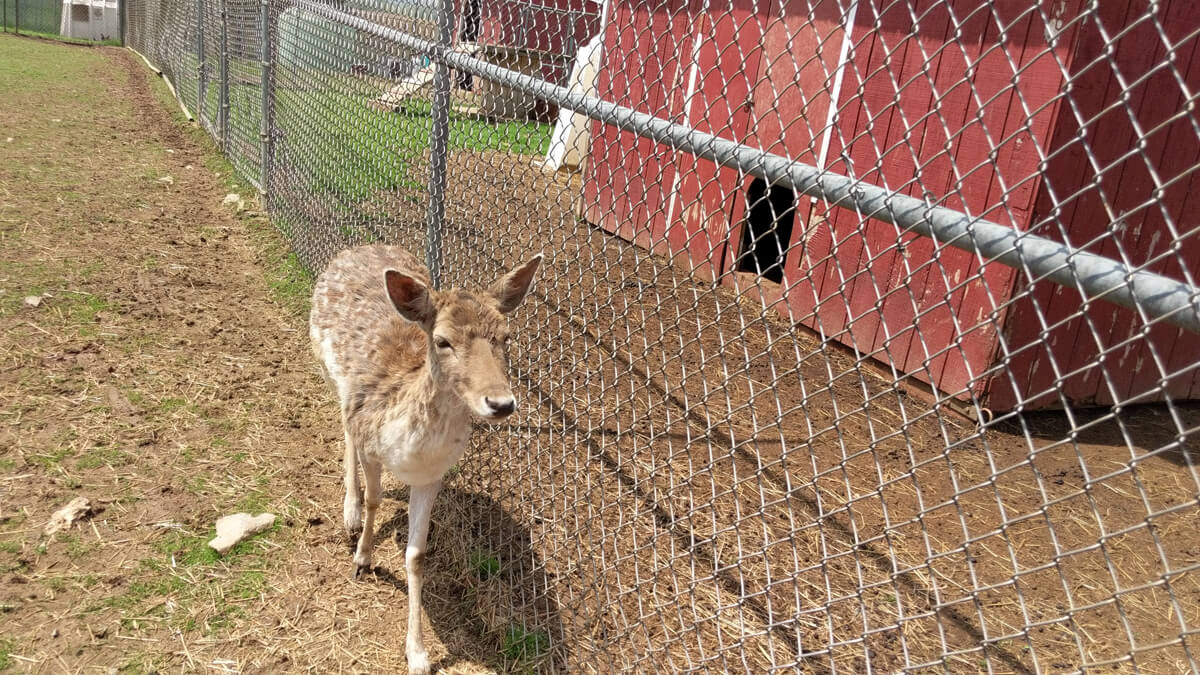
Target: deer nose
[501,406]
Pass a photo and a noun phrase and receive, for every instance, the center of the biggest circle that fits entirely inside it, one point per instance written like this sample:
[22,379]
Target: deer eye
[442,343]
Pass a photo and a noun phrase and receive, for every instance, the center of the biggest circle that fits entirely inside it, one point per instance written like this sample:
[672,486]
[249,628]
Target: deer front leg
[420,505]
[373,473]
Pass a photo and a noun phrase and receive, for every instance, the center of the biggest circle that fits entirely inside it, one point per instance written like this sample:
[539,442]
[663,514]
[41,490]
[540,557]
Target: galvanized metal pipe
[223,87]
[439,143]
[267,122]
[1153,295]
[202,71]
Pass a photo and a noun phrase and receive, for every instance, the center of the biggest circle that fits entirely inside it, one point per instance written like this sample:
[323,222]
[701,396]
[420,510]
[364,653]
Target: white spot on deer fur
[335,373]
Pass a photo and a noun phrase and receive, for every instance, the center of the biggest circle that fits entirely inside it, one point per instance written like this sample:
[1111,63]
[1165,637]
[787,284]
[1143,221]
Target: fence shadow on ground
[487,595]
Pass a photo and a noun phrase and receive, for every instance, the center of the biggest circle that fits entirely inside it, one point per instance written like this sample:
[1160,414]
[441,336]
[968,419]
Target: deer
[411,367]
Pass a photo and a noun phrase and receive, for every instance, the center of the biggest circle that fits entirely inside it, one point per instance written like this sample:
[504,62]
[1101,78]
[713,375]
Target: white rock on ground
[68,514]
[235,200]
[234,528]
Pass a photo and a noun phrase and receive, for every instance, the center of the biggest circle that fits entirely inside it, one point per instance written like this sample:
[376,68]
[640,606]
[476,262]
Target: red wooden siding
[849,266]
[724,72]
[631,176]
[1127,191]
[790,104]
[965,107]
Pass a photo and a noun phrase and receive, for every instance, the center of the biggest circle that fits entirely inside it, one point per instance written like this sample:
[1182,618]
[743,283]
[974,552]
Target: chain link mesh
[763,429]
[31,16]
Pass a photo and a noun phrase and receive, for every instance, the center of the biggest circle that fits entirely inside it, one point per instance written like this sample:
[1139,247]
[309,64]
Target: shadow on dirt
[487,595]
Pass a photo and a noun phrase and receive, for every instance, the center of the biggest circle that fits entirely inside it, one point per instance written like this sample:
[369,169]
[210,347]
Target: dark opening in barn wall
[770,215]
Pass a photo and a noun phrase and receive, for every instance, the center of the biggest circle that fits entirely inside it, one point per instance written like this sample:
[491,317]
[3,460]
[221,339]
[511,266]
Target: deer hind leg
[373,473]
[420,505]
[352,504]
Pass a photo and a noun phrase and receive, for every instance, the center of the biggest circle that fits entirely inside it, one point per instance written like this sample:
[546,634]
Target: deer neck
[428,395]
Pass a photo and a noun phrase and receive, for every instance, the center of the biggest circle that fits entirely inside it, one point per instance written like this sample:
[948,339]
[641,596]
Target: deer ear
[410,297]
[512,288]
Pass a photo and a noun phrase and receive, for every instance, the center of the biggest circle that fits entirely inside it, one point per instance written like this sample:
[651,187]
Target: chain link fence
[82,21]
[868,332]
[31,16]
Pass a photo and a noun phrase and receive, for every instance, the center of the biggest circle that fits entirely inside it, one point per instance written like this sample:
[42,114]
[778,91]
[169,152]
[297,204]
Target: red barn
[946,100]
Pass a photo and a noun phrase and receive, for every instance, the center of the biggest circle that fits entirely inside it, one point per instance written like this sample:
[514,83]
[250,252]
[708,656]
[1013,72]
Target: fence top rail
[1153,296]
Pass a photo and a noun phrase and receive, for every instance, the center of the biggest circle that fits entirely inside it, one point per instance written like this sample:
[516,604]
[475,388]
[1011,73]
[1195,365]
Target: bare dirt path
[165,375]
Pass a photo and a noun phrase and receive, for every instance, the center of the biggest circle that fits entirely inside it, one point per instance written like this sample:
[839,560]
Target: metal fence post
[223,87]
[17,17]
[201,84]
[439,137]
[267,124]
[121,8]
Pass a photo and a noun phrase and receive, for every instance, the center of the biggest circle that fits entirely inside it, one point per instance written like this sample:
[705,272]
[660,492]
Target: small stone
[64,517]
[9,139]
[234,528]
[231,199]
[33,300]
[167,180]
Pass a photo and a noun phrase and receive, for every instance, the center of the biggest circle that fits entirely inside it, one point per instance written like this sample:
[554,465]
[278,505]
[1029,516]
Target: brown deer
[411,366]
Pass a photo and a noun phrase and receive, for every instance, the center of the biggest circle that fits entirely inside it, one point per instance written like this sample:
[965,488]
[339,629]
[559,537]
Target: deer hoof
[418,664]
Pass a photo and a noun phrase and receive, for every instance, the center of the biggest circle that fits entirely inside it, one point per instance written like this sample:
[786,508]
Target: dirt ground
[165,375]
[690,486]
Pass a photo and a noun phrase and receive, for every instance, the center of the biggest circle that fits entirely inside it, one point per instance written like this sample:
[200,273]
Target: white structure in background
[90,20]
[572,133]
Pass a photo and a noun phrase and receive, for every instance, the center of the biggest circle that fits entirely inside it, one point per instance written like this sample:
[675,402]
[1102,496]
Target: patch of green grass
[82,311]
[291,283]
[142,664]
[354,151]
[484,565]
[51,460]
[11,303]
[13,547]
[249,584]
[522,644]
[254,502]
[153,582]
[197,485]
[7,645]
[30,66]
[7,464]
[76,546]
[185,549]
[173,406]
[189,573]
[103,456]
